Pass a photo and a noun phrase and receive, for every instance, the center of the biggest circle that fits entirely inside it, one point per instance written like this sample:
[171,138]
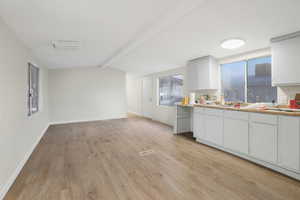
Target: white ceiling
[145,36]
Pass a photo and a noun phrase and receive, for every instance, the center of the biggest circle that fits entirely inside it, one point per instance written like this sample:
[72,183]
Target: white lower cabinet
[213,126]
[273,139]
[263,141]
[288,142]
[236,136]
[198,125]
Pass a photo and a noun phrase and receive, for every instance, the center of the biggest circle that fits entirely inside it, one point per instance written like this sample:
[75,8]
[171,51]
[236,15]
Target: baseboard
[135,113]
[156,120]
[86,120]
[20,166]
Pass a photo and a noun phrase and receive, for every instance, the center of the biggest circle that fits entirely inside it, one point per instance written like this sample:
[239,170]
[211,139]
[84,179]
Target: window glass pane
[233,81]
[33,93]
[259,81]
[170,90]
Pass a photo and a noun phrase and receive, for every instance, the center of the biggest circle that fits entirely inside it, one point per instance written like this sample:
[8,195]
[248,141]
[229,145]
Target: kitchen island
[267,137]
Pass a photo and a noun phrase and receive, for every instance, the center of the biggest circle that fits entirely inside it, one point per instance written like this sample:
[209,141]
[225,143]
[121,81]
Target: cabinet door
[288,142]
[263,141]
[198,129]
[202,73]
[214,129]
[236,135]
[196,71]
[286,53]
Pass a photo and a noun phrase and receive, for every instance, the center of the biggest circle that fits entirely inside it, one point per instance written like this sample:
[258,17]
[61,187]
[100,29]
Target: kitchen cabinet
[198,123]
[285,60]
[236,135]
[202,74]
[271,140]
[263,137]
[288,142]
[213,126]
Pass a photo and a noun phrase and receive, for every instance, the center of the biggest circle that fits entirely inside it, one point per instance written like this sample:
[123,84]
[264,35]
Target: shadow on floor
[188,135]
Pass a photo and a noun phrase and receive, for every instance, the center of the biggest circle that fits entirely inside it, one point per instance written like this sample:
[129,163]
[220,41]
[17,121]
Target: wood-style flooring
[110,160]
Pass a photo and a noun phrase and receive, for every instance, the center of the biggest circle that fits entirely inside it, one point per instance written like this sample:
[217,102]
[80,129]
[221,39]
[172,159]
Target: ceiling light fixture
[232,43]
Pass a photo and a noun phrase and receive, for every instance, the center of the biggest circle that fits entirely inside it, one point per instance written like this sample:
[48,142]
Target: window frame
[30,68]
[245,77]
[246,73]
[158,91]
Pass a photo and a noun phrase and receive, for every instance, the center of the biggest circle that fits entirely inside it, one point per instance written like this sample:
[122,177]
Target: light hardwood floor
[101,160]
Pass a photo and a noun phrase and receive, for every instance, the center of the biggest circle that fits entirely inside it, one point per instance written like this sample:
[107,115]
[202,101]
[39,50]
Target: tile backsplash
[286,93]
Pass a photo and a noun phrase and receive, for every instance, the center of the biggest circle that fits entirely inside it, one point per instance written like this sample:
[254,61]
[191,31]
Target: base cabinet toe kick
[270,140]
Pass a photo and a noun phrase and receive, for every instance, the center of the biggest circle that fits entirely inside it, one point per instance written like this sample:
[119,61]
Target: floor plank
[101,160]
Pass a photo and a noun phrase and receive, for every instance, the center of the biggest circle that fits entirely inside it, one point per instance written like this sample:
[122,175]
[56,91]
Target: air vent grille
[66,44]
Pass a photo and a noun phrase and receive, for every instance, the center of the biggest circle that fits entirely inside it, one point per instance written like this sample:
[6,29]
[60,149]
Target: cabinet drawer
[236,115]
[215,112]
[263,118]
[198,110]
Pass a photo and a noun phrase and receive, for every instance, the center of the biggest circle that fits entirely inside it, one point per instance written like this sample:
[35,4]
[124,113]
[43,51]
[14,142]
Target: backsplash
[287,93]
[284,93]
[211,93]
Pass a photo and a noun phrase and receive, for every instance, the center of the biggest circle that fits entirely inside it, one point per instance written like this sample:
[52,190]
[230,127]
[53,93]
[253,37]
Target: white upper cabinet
[286,60]
[202,74]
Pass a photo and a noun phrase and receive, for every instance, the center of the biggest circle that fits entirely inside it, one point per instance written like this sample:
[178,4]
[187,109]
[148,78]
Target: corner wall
[19,134]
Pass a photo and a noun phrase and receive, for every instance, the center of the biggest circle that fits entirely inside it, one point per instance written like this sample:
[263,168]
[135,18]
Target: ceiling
[145,36]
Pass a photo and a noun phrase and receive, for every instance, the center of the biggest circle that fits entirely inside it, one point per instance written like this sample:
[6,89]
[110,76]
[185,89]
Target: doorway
[147,98]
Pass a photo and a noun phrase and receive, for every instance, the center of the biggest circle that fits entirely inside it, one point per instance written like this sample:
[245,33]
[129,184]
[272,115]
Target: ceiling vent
[66,44]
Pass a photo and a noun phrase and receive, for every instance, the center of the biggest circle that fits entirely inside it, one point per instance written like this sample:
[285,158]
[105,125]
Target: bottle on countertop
[222,100]
[202,100]
[185,100]
[192,98]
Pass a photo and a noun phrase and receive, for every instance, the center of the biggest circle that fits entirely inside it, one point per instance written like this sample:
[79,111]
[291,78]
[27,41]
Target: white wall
[18,132]
[286,93]
[85,94]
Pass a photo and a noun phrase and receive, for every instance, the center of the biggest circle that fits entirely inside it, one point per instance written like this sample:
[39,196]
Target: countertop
[254,110]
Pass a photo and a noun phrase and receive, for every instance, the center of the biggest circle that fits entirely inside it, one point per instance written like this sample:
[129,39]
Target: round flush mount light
[232,43]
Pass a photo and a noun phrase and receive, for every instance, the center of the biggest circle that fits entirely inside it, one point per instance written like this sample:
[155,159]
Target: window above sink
[248,81]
